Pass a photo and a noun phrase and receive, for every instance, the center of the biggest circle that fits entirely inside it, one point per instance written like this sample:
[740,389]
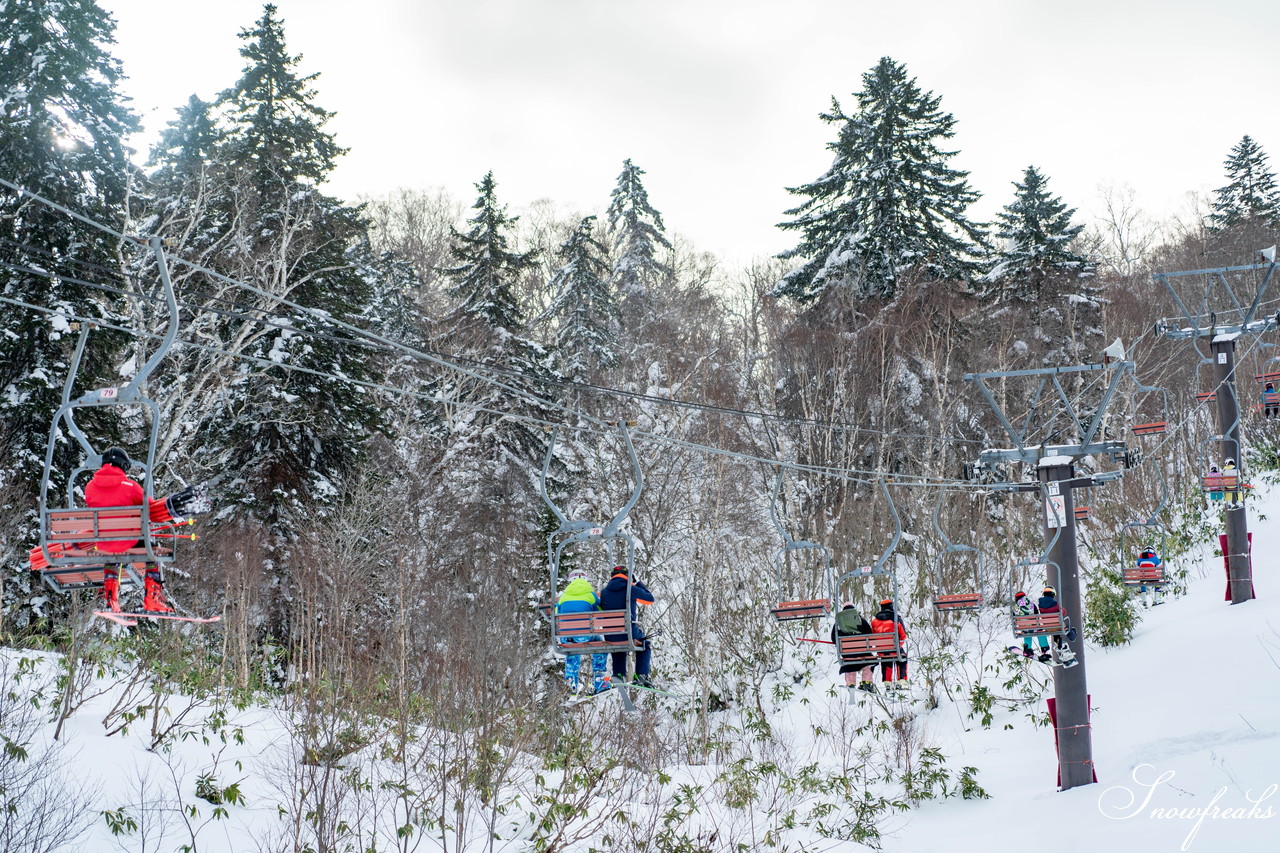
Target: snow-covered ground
[1186,720]
[1186,738]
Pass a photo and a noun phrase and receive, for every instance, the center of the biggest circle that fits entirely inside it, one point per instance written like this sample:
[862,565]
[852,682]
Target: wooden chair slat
[791,610]
[856,648]
[1221,482]
[958,601]
[1037,623]
[1139,575]
[1150,429]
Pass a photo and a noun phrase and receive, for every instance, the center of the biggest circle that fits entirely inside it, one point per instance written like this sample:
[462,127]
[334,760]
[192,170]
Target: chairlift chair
[885,647]
[951,602]
[590,632]
[789,610]
[1037,624]
[1150,410]
[68,557]
[1136,574]
[1218,484]
[1270,399]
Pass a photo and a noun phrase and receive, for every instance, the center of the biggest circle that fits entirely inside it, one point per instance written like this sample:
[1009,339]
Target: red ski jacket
[110,487]
[886,626]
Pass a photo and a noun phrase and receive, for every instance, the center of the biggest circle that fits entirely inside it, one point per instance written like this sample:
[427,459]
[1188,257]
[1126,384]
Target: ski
[131,619]
[574,701]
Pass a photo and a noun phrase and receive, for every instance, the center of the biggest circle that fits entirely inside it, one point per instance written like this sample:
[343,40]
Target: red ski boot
[111,593]
[154,600]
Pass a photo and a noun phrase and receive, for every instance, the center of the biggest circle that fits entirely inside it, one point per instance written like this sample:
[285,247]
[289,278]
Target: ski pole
[811,640]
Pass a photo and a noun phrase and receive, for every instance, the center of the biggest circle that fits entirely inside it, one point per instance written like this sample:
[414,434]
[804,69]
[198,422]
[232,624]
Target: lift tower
[1056,417]
[1222,318]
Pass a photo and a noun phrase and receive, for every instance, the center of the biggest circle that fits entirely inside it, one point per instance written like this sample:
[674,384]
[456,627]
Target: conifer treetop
[279,125]
[61,106]
[889,203]
[638,233]
[488,269]
[1251,194]
[1034,233]
[583,305]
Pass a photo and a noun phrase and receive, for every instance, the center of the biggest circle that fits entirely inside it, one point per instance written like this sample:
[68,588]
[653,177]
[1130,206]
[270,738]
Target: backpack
[848,621]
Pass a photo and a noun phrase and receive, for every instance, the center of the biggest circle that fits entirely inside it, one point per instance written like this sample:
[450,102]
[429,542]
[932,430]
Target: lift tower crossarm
[1024,452]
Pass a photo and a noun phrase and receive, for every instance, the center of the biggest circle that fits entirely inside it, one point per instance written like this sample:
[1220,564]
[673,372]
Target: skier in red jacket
[111,486]
[888,622]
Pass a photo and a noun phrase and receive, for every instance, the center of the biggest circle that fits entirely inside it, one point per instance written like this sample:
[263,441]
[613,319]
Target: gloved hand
[190,501]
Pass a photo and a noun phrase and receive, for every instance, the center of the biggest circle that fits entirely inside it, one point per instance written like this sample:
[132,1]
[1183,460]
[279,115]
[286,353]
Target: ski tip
[118,618]
[167,617]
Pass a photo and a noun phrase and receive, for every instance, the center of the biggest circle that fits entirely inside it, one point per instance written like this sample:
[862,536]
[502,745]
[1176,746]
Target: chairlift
[1150,410]
[68,557]
[885,647]
[1146,572]
[1270,404]
[1217,484]
[947,602]
[599,626]
[1037,624]
[789,610]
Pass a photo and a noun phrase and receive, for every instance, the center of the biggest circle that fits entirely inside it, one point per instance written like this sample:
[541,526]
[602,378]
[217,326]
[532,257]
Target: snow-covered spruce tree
[583,308]
[889,203]
[638,236]
[63,120]
[282,439]
[185,164]
[491,450]
[1033,235]
[486,324]
[1250,196]
[1060,306]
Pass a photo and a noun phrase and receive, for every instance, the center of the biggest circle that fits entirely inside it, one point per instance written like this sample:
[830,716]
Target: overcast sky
[718,100]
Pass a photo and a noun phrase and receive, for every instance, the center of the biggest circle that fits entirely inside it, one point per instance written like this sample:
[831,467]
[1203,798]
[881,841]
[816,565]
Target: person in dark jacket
[887,622]
[111,486]
[850,622]
[1048,603]
[614,596]
[1270,402]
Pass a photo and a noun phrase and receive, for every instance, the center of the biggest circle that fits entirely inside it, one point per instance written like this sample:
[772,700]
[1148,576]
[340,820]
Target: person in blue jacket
[613,596]
[579,597]
[1153,593]
[1270,402]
